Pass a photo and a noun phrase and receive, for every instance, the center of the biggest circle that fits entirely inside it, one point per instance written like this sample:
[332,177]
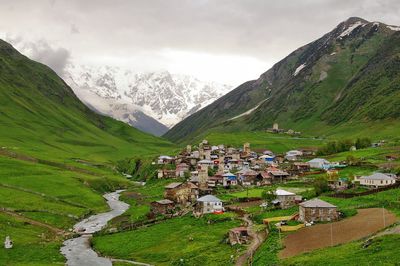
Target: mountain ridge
[298,89]
[161,99]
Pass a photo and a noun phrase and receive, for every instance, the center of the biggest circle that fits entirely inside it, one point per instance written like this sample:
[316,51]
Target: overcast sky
[228,41]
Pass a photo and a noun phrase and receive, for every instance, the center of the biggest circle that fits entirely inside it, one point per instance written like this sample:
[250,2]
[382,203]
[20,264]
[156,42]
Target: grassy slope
[44,130]
[358,97]
[168,242]
[267,254]
[33,245]
[41,116]
[262,140]
[380,252]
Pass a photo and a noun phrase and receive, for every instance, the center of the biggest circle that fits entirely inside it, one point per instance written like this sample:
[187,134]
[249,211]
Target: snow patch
[298,69]
[350,29]
[248,111]
[119,92]
[395,28]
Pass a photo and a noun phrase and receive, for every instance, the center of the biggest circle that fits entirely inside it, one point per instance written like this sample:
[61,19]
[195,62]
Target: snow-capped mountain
[152,102]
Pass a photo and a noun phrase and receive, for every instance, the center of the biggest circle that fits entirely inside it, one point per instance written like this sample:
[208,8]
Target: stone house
[317,210]
[181,193]
[164,173]
[301,167]
[164,206]
[285,199]
[247,177]
[278,175]
[181,169]
[239,235]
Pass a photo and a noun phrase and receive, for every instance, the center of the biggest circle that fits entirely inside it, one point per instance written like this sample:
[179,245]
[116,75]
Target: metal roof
[316,203]
[209,198]
[378,176]
[173,185]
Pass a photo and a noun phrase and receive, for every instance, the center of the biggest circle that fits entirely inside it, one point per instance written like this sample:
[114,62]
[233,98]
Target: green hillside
[338,85]
[57,158]
[41,116]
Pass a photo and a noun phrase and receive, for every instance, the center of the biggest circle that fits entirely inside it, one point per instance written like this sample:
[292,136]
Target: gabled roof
[205,162]
[228,174]
[166,157]
[209,198]
[281,192]
[318,160]
[173,185]
[192,186]
[378,176]
[316,203]
[278,173]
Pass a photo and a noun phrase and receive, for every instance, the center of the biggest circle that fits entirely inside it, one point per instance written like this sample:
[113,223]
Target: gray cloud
[41,51]
[74,29]
[266,30]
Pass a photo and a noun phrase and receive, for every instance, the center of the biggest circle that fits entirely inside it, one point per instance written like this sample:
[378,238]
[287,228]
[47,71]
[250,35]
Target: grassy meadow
[194,241]
[33,245]
[380,252]
[278,143]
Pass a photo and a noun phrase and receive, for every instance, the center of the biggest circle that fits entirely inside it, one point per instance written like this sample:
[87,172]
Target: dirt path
[365,223]
[257,240]
[34,222]
[390,231]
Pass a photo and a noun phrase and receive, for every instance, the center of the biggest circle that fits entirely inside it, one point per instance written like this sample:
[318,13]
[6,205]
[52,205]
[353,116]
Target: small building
[317,210]
[278,175]
[247,177]
[269,159]
[181,193]
[164,159]
[229,179]
[342,183]
[319,163]
[264,179]
[206,162]
[181,169]
[285,199]
[293,155]
[301,167]
[209,204]
[377,180]
[164,173]
[239,235]
[164,206]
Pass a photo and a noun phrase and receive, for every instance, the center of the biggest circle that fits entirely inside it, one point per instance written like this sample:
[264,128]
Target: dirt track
[365,223]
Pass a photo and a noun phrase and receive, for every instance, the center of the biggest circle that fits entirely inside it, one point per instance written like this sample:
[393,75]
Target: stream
[78,251]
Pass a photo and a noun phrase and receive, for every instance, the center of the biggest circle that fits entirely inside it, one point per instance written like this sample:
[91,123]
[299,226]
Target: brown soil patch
[246,204]
[365,223]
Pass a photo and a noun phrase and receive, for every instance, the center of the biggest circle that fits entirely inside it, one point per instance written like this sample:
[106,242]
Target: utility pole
[383,214]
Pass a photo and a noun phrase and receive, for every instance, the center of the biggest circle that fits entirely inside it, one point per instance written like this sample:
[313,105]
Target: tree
[352,161]
[362,143]
[320,185]
[268,195]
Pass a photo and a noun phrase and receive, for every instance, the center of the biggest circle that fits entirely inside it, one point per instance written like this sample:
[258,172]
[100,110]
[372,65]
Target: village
[207,171]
